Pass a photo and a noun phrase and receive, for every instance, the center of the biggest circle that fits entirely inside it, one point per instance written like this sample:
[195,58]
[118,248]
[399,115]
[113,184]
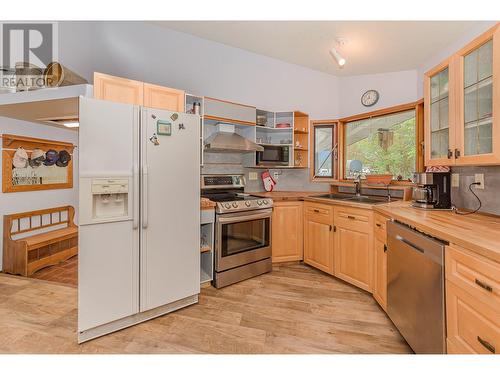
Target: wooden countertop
[476,232]
[287,195]
[338,202]
[206,204]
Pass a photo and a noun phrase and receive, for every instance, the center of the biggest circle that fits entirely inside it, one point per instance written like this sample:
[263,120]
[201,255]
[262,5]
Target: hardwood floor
[294,309]
[65,272]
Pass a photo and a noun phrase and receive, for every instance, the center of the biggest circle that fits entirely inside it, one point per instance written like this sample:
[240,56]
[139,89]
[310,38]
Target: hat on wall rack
[37,158]
[64,158]
[51,157]
[20,159]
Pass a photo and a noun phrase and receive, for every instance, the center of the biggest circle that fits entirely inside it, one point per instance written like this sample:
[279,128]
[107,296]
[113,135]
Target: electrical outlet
[455,180]
[479,177]
[276,176]
[252,176]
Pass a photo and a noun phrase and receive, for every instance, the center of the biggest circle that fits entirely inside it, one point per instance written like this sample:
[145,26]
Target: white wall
[450,50]
[28,201]
[394,88]
[151,53]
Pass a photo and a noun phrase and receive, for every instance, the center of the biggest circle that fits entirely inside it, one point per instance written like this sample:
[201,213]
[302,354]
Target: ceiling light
[71,124]
[338,57]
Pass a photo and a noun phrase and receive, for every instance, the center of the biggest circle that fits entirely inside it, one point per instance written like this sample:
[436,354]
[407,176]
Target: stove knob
[248,204]
[259,202]
[235,205]
[227,205]
[266,202]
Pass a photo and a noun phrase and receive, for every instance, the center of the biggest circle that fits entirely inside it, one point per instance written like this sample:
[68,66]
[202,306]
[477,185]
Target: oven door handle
[237,217]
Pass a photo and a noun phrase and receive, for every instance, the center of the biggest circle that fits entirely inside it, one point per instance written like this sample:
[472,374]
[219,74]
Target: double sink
[353,198]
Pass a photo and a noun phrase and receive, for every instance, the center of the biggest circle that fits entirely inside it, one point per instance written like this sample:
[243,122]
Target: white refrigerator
[139,214]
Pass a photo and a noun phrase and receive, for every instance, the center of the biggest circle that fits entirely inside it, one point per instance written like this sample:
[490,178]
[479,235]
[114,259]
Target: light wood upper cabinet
[354,246]
[117,89]
[439,114]
[224,111]
[318,236]
[462,105]
[478,91]
[123,90]
[287,231]
[161,97]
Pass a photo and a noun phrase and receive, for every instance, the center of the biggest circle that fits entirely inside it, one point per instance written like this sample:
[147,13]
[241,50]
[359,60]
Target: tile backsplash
[490,196]
[287,180]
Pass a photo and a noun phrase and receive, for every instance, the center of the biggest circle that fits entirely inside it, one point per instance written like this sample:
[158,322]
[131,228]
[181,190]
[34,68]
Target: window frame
[334,125]
[418,106]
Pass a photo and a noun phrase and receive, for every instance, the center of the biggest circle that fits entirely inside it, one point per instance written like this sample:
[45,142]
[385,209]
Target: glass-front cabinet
[439,114]
[462,105]
[478,129]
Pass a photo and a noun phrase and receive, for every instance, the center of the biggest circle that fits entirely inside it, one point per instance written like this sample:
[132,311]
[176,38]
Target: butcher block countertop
[476,232]
[206,204]
[287,195]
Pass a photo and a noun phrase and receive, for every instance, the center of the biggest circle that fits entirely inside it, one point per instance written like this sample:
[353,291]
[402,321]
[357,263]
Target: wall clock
[370,98]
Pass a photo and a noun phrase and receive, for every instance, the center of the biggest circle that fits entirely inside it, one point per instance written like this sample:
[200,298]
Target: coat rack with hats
[35,164]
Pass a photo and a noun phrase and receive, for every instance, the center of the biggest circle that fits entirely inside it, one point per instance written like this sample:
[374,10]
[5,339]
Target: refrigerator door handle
[135,172]
[144,196]
[135,197]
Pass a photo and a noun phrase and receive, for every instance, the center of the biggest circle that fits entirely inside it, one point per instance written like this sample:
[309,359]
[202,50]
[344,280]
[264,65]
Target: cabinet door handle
[331,228]
[484,285]
[450,153]
[385,248]
[317,211]
[334,228]
[351,217]
[486,344]
[378,225]
[457,153]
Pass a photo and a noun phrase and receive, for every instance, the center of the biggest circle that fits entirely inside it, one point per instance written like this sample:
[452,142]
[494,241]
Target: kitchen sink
[353,198]
[369,200]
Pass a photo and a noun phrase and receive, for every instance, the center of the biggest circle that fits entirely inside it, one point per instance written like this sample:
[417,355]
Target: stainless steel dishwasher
[415,287]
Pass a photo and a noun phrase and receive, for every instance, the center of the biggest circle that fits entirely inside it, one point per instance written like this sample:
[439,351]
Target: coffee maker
[432,190]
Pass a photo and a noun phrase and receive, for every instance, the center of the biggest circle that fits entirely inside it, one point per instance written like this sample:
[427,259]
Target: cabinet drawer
[353,218]
[318,209]
[472,326]
[475,274]
[380,226]
[230,112]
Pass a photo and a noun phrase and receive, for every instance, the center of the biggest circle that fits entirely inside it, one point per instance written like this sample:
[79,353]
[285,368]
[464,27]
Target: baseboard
[135,319]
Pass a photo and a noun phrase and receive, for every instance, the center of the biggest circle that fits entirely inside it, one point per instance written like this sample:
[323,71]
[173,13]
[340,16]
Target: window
[384,144]
[325,150]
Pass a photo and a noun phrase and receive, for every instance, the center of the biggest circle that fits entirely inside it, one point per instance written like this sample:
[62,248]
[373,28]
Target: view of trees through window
[381,145]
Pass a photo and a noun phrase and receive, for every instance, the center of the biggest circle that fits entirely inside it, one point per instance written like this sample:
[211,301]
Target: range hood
[225,139]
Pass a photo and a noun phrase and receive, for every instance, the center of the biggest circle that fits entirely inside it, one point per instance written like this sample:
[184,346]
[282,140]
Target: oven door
[242,238]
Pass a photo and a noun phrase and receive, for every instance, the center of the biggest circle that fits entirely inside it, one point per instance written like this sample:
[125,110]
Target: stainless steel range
[242,230]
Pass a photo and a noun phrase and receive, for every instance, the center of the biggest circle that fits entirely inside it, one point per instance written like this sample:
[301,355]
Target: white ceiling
[373,46]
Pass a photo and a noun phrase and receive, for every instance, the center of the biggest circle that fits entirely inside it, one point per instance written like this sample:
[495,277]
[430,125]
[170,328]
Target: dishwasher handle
[402,238]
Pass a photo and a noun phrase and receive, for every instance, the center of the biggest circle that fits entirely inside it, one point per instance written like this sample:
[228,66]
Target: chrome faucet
[357,183]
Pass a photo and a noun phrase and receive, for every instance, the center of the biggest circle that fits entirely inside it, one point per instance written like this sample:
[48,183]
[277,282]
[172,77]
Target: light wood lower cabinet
[380,273]
[380,260]
[354,246]
[287,231]
[472,302]
[118,89]
[318,236]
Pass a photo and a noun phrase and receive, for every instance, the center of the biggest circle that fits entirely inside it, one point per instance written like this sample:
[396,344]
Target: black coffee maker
[432,190]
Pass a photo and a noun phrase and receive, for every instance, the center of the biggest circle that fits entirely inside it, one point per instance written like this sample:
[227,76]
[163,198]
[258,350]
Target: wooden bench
[24,254]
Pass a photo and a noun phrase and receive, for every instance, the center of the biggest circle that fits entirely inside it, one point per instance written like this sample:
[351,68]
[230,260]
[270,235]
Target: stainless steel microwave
[273,155]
